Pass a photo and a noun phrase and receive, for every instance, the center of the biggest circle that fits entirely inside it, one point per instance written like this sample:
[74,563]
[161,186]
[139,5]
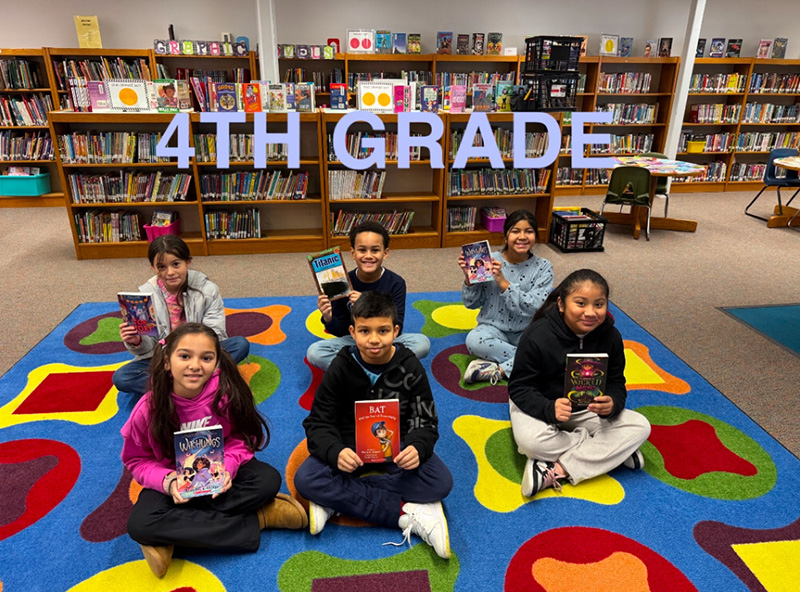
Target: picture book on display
[650,48]
[665,47]
[226,96]
[701,48]
[429,98]
[458,98]
[277,97]
[717,47]
[779,48]
[734,48]
[502,95]
[251,97]
[304,100]
[184,95]
[360,41]
[137,310]
[478,42]
[402,98]
[625,47]
[338,95]
[377,430]
[399,43]
[494,44]
[482,99]
[128,95]
[330,274]
[608,44]
[585,377]
[478,257]
[414,43]
[444,42]
[764,49]
[462,44]
[166,95]
[98,95]
[200,461]
[383,41]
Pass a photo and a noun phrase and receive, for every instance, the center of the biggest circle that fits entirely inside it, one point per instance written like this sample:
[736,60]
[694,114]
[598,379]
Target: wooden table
[658,167]
[785,216]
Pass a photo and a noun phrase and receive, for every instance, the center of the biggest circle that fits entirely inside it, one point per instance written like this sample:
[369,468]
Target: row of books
[393,96]
[741,171]
[241,147]
[25,110]
[773,82]
[121,94]
[239,75]
[103,226]
[255,96]
[25,146]
[717,83]
[461,218]
[597,177]
[109,147]
[568,176]
[20,74]
[129,187]
[395,222]
[715,113]
[233,224]
[356,149]
[252,186]
[714,173]
[721,142]
[621,144]
[771,113]
[486,181]
[625,82]
[535,142]
[321,80]
[100,69]
[349,184]
[474,77]
[765,141]
[626,113]
[418,76]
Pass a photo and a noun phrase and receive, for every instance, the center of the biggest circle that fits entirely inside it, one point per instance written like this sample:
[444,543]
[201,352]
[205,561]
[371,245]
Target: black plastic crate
[546,53]
[550,92]
[573,233]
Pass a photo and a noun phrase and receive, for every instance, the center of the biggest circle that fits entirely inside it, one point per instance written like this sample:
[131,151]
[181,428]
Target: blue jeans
[320,354]
[376,498]
[134,377]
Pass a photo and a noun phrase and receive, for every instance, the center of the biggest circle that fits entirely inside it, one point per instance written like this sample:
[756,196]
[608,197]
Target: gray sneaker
[481,371]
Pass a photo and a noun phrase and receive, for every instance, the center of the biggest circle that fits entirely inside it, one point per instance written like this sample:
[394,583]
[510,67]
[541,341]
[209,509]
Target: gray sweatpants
[586,445]
[490,343]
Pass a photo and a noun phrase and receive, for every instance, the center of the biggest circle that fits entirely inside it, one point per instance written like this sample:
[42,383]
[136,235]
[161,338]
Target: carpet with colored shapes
[712,510]
[780,324]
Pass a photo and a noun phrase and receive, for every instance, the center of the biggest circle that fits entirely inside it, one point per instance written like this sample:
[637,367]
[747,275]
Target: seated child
[180,295]
[369,244]
[406,493]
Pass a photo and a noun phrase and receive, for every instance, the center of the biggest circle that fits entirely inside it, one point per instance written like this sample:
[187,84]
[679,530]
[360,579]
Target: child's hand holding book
[130,335]
[349,461]
[408,458]
[602,405]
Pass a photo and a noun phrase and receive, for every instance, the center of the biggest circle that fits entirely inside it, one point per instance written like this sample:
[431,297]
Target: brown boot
[158,558]
[282,512]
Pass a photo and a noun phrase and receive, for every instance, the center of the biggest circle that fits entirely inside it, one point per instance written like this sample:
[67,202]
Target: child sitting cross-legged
[406,493]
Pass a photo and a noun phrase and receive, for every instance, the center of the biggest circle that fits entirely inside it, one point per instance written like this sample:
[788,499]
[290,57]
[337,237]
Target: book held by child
[585,377]
[200,461]
[377,430]
[478,256]
[330,274]
[137,310]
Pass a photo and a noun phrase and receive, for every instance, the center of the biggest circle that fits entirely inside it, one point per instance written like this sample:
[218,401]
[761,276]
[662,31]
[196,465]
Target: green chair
[661,182]
[629,186]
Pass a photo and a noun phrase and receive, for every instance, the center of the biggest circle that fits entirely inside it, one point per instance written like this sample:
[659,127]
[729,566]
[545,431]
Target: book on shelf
[226,96]
[764,49]
[734,48]
[458,98]
[399,43]
[625,47]
[779,48]
[650,48]
[163,218]
[338,95]
[361,41]
[429,98]
[444,42]
[414,42]
[462,44]
[383,41]
[98,95]
[128,95]
[290,98]
[494,44]
[478,257]
[200,461]
[478,43]
[377,430]
[251,97]
[482,99]
[502,95]
[609,44]
[277,97]
[304,97]
[137,310]
[377,96]
[701,48]
[717,49]
[184,93]
[665,47]
[330,274]
[402,98]
[585,377]
[166,95]
[444,103]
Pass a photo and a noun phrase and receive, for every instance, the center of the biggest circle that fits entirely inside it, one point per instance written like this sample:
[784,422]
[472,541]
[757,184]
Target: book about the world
[330,274]
[377,430]
[585,377]
[137,310]
[200,461]
[478,257]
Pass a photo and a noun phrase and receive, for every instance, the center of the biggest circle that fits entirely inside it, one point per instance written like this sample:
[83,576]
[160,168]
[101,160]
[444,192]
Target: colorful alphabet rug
[713,509]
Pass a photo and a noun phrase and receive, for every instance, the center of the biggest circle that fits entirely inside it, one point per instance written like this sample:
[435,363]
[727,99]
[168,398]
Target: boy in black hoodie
[406,493]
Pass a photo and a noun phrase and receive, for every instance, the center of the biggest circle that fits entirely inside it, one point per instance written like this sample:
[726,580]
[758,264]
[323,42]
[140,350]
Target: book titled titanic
[200,461]
[478,256]
[585,377]
[137,310]
[330,274]
[377,430]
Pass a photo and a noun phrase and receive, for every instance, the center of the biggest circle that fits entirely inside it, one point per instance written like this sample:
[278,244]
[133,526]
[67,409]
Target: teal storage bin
[16,185]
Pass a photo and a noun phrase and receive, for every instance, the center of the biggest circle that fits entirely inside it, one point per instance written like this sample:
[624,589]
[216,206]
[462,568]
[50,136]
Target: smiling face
[380,433]
[192,363]
[520,239]
[172,271]
[584,309]
[368,252]
[374,337]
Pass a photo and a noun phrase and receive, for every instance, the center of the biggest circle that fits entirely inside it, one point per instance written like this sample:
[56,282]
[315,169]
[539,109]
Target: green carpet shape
[107,330]
[264,382]
[462,361]
[300,571]
[501,452]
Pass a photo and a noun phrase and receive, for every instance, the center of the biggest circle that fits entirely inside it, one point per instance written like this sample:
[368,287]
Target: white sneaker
[538,475]
[527,478]
[481,371]
[317,517]
[427,521]
[635,461]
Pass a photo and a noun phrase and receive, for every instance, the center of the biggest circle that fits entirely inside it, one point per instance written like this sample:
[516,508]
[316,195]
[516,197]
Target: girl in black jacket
[563,440]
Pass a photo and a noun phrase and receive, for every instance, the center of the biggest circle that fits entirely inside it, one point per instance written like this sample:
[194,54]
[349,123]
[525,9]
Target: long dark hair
[175,246]
[517,216]
[569,285]
[238,404]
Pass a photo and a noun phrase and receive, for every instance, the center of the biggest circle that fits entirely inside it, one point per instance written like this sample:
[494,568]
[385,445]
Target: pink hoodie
[141,455]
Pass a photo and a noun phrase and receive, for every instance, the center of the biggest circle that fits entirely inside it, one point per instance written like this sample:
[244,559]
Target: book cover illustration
[650,48]
[482,99]
[665,47]
[383,41]
[444,104]
[330,274]
[399,43]
[458,98]
[338,95]
[462,44]
[494,44]
[585,377]
[609,44]
[414,42]
[625,47]
[502,95]
[478,43]
[779,48]
[251,97]
[304,99]
[444,42]
[717,47]
[402,98]
[734,48]
[290,102]
[128,95]
[226,96]
[137,310]
[200,461]
[701,48]
[166,95]
[98,95]
[376,96]
[429,98]
[377,430]
[277,97]
[361,40]
[764,49]
[184,95]
[478,257]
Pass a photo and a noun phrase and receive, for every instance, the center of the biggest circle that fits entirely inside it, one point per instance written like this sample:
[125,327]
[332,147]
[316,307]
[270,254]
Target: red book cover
[378,430]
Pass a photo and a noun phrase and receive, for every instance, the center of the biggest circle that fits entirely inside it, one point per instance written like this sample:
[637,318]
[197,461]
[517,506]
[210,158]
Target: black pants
[228,522]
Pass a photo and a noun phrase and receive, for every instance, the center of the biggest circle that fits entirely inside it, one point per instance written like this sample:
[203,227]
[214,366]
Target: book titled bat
[330,274]
[137,310]
[377,430]
[200,461]
[585,377]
